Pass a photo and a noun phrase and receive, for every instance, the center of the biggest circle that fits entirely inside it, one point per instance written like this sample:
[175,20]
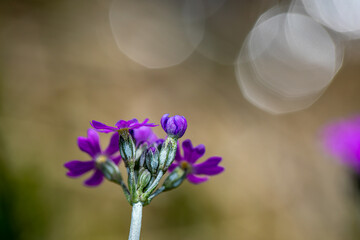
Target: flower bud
[174,179]
[108,168]
[140,150]
[126,147]
[152,159]
[144,178]
[174,126]
[167,153]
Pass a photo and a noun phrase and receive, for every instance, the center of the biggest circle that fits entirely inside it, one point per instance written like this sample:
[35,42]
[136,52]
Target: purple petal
[143,124]
[86,146]
[195,179]
[95,179]
[113,145]
[210,162]
[192,154]
[125,124]
[178,156]
[164,120]
[101,127]
[144,134]
[209,170]
[173,166]
[116,160]
[93,137]
[77,168]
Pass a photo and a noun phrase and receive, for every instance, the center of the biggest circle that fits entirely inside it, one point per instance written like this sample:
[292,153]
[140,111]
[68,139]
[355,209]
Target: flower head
[174,126]
[342,139]
[91,146]
[187,162]
[121,124]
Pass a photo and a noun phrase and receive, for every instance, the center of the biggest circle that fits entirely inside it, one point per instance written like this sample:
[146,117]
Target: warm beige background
[60,68]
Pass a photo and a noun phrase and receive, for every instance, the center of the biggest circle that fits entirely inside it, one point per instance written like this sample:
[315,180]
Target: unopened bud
[126,146]
[108,168]
[152,159]
[167,153]
[174,179]
[144,178]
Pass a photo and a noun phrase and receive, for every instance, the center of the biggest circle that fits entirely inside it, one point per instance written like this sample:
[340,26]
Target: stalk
[135,226]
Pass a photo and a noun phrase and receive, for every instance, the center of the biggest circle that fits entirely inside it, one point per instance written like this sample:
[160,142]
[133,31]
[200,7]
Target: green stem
[124,187]
[157,192]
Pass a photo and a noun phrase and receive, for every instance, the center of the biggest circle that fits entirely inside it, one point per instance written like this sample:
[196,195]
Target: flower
[144,134]
[121,124]
[174,126]
[91,146]
[342,139]
[187,162]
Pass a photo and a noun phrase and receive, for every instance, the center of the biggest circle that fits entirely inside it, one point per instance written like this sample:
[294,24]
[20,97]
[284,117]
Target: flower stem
[157,192]
[135,226]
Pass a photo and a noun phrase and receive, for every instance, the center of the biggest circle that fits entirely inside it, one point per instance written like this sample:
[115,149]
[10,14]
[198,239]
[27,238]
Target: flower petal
[173,166]
[116,159]
[86,146]
[209,167]
[210,162]
[124,124]
[77,168]
[101,127]
[113,145]
[144,134]
[209,170]
[195,179]
[95,179]
[93,137]
[192,154]
[178,156]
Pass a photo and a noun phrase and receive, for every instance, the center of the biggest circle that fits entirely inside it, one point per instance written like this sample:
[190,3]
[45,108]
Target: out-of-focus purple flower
[175,126]
[91,146]
[342,139]
[144,134]
[121,124]
[187,162]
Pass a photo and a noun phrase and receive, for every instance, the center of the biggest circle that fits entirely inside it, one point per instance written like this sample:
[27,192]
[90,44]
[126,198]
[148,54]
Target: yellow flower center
[101,159]
[185,165]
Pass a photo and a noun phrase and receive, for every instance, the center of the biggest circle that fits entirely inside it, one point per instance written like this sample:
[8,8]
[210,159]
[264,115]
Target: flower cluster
[146,157]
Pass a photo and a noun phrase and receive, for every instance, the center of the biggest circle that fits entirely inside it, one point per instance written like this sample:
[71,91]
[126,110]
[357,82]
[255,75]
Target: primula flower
[122,124]
[188,163]
[342,139]
[91,146]
[144,134]
[175,126]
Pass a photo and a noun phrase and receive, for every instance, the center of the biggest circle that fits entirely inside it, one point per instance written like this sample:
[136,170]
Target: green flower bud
[152,159]
[167,153]
[174,179]
[143,179]
[108,168]
[127,147]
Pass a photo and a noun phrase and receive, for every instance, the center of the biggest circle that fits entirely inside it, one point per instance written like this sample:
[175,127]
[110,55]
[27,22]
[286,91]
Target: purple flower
[174,126]
[187,162]
[144,134]
[342,139]
[122,124]
[91,146]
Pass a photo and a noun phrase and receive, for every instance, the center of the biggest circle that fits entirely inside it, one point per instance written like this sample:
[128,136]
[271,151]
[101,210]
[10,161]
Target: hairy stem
[135,226]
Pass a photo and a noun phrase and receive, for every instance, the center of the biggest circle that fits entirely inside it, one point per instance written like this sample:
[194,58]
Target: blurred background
[256,79]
